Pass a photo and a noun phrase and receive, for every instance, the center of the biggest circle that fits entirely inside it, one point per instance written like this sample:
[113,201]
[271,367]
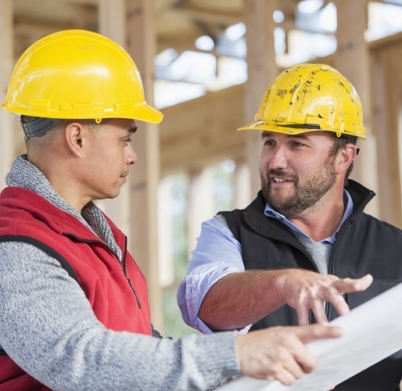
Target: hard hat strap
[37,127]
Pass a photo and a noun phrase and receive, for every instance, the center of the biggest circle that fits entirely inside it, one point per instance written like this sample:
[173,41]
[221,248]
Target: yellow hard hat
[307,98]
[77,74]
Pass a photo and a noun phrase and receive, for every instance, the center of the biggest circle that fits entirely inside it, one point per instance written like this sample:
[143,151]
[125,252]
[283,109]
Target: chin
[114,195]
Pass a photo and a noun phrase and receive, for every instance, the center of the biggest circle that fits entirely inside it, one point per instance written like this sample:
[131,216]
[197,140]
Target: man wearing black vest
[303,251]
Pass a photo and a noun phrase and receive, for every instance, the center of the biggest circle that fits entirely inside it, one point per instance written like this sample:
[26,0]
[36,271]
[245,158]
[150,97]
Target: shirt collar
[268,211]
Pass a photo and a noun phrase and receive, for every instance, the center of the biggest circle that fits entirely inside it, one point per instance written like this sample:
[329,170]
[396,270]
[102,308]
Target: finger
[317,331]
[319,311]
[305,360]
[364,282]
[334,297]
[295,368]
[302,315]
[353,285]
[282,375]
[287,370]
[340,305]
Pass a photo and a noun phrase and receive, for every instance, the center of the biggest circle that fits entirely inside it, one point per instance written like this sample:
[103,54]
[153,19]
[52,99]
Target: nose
[278,159]
[131,157]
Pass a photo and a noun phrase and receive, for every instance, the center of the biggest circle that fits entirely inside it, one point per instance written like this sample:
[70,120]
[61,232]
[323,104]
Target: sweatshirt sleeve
[49,329]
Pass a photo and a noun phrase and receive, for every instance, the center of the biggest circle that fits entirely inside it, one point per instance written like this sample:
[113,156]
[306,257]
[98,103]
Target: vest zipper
[311,317]
[343,228]
[123,261]
[125,273]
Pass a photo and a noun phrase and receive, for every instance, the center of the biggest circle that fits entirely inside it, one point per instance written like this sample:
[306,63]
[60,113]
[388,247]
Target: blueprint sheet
[373,331]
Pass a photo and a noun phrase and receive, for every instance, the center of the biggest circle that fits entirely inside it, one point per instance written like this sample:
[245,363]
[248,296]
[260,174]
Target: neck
[321,221]
[70,192]
[62,180]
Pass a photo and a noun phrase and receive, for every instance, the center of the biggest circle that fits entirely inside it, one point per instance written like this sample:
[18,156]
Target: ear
[76,136]
[345,158]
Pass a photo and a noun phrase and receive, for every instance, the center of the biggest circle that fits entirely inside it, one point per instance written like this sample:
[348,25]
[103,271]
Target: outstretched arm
[240,299]
[278,353]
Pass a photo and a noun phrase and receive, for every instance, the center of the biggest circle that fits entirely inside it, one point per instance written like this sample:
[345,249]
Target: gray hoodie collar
[24,174]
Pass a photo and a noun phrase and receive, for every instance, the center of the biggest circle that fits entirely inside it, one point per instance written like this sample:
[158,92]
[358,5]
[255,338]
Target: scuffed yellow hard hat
[307,98]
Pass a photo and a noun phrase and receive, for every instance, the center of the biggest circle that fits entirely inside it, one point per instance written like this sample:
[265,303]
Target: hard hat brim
[273,127]
[263,126]
[143,112]
[148,114]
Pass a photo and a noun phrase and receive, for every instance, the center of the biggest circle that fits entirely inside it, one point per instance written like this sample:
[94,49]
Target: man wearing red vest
[73,302]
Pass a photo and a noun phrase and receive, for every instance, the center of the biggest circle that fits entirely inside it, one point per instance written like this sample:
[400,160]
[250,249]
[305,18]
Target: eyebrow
[132,129]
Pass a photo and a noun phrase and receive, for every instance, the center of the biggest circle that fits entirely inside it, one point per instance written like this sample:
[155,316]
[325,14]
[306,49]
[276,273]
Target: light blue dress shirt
[218,254]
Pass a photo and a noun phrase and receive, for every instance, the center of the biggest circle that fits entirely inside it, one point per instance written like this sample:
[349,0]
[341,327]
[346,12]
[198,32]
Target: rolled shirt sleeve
[216,255]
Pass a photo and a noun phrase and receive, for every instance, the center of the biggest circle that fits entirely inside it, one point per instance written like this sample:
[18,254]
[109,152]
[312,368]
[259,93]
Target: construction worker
[73,302]
[305,240]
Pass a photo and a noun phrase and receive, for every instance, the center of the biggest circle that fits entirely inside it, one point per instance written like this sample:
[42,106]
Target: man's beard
[305,195]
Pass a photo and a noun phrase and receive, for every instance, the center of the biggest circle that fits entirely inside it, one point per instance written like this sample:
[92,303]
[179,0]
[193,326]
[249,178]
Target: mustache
[280,173]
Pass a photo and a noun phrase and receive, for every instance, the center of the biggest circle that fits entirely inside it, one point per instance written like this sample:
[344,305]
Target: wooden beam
[224,19]
[262,70]
[391,40]
[58,12]
[144,177]
[112,20]
[179,43]
[85,2]
[84,15]
[353,61]
[202,131]
[165,234]
[163,5]
[242,178]
[6,64]
[200,205]
[387,122]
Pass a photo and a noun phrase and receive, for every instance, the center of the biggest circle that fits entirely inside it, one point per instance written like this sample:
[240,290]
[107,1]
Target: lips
[280,180]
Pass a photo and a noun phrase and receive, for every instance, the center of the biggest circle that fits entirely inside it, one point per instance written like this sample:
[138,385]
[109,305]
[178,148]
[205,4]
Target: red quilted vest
[117,291]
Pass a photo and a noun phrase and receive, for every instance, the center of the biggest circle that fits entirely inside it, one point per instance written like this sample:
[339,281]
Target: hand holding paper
[280,352]
[373,331]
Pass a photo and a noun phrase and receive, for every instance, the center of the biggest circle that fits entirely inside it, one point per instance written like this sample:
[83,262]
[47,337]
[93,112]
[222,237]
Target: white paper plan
[373,331]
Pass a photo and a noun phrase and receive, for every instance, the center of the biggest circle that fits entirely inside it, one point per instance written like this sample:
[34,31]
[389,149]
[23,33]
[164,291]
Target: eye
[127,141]
[269,143]
[297,144]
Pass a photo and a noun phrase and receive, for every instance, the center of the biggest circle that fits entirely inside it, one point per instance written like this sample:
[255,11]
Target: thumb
[365,282]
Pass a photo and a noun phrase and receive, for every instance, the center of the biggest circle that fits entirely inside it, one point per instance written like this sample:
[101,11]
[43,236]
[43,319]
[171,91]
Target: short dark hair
[38,127]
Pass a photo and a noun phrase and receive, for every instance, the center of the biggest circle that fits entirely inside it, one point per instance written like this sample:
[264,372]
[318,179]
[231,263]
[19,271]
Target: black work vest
[363,245]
